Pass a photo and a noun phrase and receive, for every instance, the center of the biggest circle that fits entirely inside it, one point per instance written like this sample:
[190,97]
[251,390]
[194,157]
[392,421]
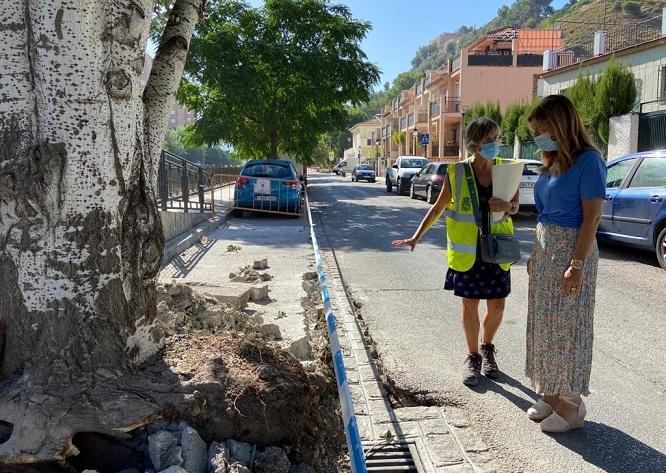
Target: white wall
[623,135]
[646,66]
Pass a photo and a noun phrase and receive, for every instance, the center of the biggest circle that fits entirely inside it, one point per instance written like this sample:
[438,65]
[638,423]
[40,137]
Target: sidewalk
[238,243]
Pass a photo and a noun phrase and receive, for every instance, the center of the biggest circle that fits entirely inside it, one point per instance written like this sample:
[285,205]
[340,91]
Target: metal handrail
[182,184]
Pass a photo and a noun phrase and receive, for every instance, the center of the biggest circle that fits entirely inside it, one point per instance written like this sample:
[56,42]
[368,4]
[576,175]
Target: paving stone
[364,427]
[260,264]
[456,417]
[483,462]
[374,390]
[470,439]
[381,412]
[443,450]
[352,374]
[417,413]
[434,426]
[366,372]
[406,430]
[464,468]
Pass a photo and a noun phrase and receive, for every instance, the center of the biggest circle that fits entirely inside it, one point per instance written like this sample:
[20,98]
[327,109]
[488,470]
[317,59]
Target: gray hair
[478,131]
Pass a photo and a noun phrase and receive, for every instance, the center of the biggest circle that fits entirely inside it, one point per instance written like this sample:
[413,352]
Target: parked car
[364,172]
[268,185]
[527,182]
[634,213]
[428,182]
[402,171]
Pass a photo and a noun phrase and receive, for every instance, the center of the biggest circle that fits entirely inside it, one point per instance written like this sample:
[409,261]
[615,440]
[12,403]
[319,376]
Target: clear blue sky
[399,27]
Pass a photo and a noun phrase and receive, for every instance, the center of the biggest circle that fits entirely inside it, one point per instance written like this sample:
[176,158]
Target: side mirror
[395,166]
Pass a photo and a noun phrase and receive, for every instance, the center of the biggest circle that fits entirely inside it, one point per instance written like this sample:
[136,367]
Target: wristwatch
[514,208]
[577,264]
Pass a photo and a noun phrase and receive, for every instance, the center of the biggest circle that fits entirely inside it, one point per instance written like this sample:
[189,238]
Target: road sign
[425,138]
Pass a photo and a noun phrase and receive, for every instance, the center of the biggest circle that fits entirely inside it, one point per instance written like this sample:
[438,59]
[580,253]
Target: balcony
[493,60]
[452,105]
[422,117]
[419,89]
[434,109]
[456,64]
[530,60]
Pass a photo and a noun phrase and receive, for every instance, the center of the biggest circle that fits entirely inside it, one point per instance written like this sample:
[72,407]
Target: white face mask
[546,143]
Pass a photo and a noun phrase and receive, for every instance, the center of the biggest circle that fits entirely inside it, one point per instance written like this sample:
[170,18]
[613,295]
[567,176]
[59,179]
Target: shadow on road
[612,450]
[497,386]
[185,262]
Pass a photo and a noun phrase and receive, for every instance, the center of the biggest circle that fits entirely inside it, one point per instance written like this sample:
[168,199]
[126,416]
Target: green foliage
[632,8]
[477,110]
[398,137]
[523,131]
[616,95]
[176,141]
[583,95]
[276,77]
[511,120]
[321,154]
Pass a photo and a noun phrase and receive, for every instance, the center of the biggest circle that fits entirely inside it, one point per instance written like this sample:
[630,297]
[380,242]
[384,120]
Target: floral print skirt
[559,326]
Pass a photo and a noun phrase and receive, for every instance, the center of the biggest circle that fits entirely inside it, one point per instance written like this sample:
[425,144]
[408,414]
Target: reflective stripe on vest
[461,228]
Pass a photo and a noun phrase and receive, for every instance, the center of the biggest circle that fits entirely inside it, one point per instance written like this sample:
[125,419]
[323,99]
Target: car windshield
[413,163]
[275,171]
[531,169]
[365,167]
[441,170]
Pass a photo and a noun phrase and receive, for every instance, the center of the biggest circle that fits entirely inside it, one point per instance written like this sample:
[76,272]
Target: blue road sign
[425,138]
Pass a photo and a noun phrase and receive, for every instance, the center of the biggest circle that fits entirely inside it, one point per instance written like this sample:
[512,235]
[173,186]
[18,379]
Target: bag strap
[471,185]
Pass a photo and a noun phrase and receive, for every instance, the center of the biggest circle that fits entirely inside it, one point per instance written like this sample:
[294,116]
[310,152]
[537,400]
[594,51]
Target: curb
[182,242]
[440,438]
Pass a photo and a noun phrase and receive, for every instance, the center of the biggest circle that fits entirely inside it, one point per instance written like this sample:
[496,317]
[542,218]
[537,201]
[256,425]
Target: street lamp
[415,134]
[359,153]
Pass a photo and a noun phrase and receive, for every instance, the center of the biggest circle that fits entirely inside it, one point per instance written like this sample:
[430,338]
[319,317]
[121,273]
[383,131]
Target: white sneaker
[557,424]
[539,410]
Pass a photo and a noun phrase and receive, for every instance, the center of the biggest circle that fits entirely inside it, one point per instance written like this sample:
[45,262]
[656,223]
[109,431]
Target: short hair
[477,131]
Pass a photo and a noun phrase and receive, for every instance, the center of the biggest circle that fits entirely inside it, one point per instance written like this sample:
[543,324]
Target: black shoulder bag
[496,249]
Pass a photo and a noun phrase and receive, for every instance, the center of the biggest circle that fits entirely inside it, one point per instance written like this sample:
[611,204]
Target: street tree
[274,78]
[80,235]
[615,95]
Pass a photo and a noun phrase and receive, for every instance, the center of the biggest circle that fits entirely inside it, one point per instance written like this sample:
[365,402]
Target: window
[441,170]
[662,85]
[617,173]
[651,173]
[428,169]
[413,163]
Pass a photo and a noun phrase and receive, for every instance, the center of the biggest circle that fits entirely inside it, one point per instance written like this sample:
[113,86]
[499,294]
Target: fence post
[201,190]
[184,184]
[163,182]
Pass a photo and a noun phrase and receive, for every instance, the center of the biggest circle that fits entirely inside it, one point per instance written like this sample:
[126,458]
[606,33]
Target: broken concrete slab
[260,263]
[259,293]
[301,349]
[236,295]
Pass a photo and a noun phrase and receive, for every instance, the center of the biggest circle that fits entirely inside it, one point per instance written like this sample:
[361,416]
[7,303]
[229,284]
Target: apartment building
[500,67]
[364,142]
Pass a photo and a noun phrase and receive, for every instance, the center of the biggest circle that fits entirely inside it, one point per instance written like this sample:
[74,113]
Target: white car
[527,182]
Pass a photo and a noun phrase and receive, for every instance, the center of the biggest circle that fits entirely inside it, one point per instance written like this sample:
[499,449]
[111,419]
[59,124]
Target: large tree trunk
[80,236]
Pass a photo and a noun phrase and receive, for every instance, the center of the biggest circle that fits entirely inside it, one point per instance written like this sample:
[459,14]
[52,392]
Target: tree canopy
[276,77]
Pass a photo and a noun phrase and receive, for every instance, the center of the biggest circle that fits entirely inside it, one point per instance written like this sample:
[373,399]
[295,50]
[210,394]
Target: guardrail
[181,184]
[352,433]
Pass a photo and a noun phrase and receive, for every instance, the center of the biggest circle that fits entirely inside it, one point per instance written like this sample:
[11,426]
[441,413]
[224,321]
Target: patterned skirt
[559,326]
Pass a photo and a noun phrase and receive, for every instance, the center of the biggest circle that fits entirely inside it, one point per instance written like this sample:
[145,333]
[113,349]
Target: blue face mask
[490,151]
[545,143]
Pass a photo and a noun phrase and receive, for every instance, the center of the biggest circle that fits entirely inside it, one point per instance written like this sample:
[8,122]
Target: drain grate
[391,458]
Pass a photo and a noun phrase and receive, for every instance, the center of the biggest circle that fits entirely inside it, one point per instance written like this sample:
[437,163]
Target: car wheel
[412,194]
[660,248]
[398,186]
[389,186]
[373,180]
[352,178]
[430,198]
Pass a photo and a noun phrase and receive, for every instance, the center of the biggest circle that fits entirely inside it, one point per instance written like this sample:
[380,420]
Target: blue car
[268,185]
[634,213]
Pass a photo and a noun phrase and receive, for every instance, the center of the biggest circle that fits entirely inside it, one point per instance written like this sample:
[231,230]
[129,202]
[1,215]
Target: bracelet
[515,206]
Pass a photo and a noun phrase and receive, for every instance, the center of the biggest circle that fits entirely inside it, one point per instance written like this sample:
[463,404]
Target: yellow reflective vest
[462,232]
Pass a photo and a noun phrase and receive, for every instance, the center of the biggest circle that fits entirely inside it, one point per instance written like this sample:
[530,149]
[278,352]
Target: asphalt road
[415,324]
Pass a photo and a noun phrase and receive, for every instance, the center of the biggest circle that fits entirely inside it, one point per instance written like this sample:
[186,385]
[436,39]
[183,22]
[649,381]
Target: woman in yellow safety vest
[468,276]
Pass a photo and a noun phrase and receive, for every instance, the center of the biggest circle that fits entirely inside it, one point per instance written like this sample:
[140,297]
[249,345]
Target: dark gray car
[364,172]
[428,182]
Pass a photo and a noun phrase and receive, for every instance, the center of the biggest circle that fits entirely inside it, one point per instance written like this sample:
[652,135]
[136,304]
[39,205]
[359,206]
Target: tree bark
[274,144]
[80,236]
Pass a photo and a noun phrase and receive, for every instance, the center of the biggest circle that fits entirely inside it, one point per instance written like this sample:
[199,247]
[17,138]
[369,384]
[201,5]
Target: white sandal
[555,423]
[539,410]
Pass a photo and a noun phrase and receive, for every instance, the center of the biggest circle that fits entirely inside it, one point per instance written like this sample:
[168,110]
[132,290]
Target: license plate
[267,198]
[262,186]
[526,184]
